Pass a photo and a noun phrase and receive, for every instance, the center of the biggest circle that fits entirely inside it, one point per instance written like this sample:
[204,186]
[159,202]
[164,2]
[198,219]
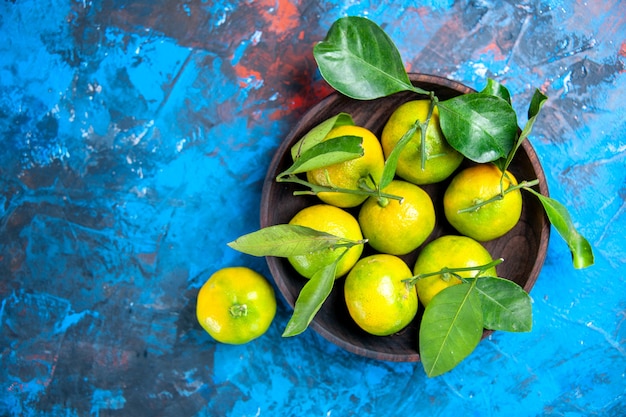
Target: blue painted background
[135,139]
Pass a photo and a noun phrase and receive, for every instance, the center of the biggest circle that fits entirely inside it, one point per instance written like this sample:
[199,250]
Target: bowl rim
[269,181]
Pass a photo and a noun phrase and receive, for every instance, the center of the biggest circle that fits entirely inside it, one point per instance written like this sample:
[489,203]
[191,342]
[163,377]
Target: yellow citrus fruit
[348,174]
[236,305]
[477,184]
[448,251]
[337,222]
[395,227]
[441,159]
[378,299]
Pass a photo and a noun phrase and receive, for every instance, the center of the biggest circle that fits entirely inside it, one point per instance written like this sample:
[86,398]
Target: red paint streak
[246,75]
[622,49]
[282,16]
[495,50]
[421,11]
[303,100]
[545,87]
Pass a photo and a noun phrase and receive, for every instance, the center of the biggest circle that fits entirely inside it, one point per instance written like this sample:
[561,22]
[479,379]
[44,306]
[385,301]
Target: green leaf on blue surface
[311,298]
[358,59]
[326,153]
[451,328]
[481,127]
[536,104]
[582,253]
[506,306]
[284,240]
[319,132]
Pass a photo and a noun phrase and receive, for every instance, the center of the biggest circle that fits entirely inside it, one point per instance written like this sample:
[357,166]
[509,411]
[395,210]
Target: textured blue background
[135,138]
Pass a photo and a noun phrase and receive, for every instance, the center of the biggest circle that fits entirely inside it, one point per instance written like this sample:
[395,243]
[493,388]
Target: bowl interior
[523,248]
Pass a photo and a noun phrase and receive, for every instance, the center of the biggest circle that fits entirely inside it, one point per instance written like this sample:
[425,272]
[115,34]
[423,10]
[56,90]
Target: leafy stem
[582,253]
[315,189]
[500,196]
[455,271]
[285,240]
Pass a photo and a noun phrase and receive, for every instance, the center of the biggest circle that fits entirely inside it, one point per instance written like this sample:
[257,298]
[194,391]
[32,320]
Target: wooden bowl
[523,248]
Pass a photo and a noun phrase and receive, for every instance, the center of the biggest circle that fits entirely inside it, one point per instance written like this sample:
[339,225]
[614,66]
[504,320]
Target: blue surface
[136,135]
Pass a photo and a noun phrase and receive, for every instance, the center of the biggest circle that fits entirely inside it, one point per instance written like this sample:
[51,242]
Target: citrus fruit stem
[238,310]
[316,189]
[454,271]
[382,201]
[523,184]
[348,244]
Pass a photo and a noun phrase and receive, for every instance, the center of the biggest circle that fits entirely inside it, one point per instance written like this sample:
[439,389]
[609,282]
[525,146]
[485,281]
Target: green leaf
[451,328]
[494,88]
[534,108]
[506,306]
[536,103]
[481,127]
[284,240]
[311,299]
[391,163]
[326,153]
[319,132]
[582,254]
[358,59]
